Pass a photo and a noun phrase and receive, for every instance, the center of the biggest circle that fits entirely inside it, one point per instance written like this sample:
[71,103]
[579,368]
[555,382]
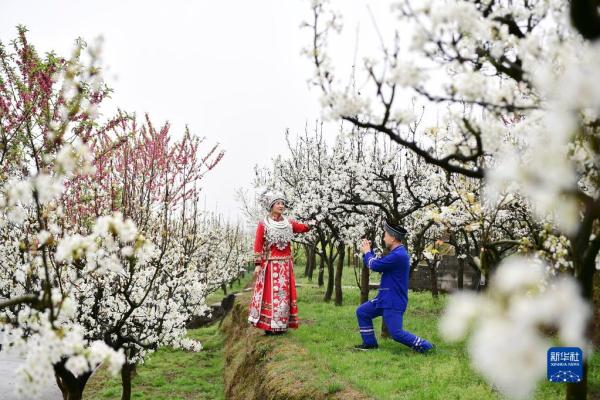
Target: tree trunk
[578,390]
[224,287]
[460,273]
[61,386]
[364,284]
[489,263]
[127,372]
[476,278]
[307,257]
[434,284]
[349,252]
[320,279]
[338,275]
[596,312]
[313,263]
[70,385]
[330,280]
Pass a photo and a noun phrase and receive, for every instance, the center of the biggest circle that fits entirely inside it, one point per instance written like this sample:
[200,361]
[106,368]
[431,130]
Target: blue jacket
[393,289]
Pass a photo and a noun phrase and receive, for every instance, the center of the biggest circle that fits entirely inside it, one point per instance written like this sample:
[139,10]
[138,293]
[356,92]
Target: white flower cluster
[52,344]
[508,344]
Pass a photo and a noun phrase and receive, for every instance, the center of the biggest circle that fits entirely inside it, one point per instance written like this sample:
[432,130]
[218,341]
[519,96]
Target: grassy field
[328,334]
[171,374]
[394,371]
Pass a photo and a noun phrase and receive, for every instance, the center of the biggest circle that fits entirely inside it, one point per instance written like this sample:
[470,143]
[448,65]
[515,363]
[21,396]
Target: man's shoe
[365,347]
[428,350]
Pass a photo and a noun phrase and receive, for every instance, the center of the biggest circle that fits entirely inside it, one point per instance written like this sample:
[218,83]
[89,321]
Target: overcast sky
[230,69]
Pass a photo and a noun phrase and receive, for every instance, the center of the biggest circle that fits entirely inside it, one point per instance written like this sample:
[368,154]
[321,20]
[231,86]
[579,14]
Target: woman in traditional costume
[273,307]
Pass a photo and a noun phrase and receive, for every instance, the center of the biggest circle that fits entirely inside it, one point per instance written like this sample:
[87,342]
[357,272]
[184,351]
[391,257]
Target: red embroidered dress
[273,306]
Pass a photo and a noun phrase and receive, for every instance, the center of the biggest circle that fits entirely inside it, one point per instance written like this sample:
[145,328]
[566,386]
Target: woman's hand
[256,270]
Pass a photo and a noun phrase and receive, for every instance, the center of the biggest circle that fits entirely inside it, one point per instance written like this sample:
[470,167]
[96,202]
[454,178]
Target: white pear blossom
[506,342]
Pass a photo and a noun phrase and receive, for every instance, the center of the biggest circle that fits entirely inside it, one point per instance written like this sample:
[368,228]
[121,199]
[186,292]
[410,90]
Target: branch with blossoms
[510,76]
[138,167]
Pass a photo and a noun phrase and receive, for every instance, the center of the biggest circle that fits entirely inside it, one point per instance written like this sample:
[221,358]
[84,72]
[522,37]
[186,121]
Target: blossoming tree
[520,110]
[104,257]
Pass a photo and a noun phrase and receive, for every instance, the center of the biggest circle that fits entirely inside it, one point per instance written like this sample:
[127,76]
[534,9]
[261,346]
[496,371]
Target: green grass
[394,371]
[323,341]
[171,374]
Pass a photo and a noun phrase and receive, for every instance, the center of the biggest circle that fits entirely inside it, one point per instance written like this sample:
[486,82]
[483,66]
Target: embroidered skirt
[273,306]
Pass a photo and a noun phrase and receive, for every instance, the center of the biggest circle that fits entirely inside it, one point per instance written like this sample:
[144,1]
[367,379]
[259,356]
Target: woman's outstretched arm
[299,227]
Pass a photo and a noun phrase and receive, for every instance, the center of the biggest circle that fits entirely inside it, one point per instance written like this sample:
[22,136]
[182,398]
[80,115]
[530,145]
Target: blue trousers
[393,320]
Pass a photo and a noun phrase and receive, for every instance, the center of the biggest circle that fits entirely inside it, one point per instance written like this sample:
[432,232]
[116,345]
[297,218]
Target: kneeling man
[392,299]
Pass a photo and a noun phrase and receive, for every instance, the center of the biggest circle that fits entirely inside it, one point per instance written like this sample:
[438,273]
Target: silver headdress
[271,197]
